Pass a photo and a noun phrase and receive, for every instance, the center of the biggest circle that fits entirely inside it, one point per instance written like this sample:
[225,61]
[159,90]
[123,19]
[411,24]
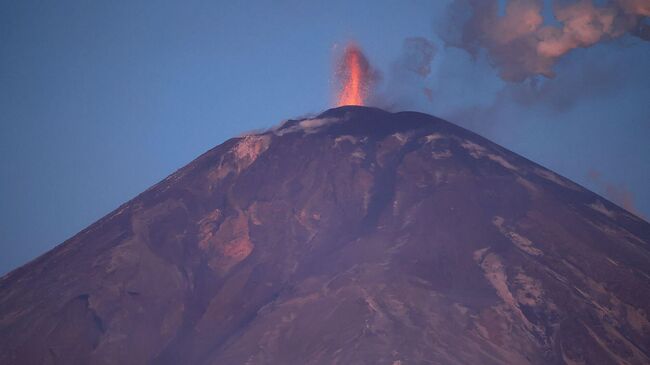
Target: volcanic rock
[355,237]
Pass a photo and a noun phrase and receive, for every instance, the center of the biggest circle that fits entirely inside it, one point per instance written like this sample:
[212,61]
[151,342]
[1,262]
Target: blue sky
[100,100]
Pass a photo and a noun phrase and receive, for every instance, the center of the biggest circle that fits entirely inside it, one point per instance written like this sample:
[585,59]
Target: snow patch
[534,190]
[600,207]
[553,177]
[433,137]
[250,147]
[501,161]
[474,150]
[478,151]
[518,240]
[307,126]
[359,154]
[344,138]
[400,137]
[241,156]
[495,273]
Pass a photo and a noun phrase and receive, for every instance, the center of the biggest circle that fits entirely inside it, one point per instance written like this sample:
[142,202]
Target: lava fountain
[354,76]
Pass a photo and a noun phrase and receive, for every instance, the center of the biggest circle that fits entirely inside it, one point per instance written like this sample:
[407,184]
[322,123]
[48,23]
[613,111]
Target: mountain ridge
[356,236]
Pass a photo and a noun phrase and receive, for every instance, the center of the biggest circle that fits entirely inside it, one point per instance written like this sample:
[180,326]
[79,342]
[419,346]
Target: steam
[417,54]
[407,77]
[521,45]
[514,105]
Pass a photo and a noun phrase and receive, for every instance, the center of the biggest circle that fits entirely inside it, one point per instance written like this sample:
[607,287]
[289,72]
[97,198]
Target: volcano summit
[356,237]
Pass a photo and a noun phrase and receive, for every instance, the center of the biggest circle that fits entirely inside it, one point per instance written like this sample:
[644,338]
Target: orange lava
[354,76]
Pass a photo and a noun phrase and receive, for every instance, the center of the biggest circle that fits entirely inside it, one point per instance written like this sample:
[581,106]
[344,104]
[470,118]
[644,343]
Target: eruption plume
[521,45]
[355,77]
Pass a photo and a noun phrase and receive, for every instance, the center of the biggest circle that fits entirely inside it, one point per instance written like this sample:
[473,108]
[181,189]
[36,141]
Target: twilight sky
[100,100]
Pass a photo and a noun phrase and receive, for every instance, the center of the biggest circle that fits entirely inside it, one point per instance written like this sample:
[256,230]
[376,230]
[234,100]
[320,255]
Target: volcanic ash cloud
[519,42]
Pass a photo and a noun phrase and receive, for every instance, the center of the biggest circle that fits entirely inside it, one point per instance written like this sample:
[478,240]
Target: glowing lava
[354,76]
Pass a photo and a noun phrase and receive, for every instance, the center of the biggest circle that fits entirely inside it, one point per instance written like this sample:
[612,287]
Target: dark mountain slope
[357,237]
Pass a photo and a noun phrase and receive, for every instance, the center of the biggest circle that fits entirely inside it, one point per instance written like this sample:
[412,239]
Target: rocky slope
[356,237]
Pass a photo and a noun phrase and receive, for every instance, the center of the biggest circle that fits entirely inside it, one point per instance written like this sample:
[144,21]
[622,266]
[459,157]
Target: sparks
[354,76]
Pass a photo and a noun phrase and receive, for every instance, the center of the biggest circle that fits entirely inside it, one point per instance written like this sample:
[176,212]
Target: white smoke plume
[521,44]
[406,79]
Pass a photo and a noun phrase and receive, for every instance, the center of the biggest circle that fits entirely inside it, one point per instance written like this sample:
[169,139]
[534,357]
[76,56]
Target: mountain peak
[362,120]
[356,236]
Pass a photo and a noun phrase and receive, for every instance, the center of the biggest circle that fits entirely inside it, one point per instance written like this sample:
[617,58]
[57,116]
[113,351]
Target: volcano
[355,237]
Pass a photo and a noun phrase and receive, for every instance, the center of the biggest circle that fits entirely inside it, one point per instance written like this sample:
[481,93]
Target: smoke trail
[519,43]
[417,54]
[406,79]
